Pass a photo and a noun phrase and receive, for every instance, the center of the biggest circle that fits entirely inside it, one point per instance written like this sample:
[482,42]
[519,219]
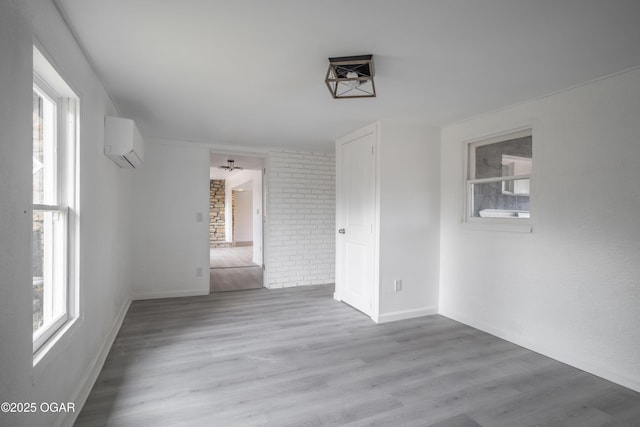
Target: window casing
[55,121]
[498,178]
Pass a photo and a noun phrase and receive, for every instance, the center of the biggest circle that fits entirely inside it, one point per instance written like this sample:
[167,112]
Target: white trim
[91,375]
[265,156]
[48,73]
[570,358]
[58,342]
[498,179]
[513,225]
[468,162]
[373,128]
[138,296]
[405,314]
[502,136]
[376,221]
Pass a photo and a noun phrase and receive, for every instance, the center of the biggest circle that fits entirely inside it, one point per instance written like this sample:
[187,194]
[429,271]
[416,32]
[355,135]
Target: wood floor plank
[233,269]
[296,357]
[232,256]
[235,279]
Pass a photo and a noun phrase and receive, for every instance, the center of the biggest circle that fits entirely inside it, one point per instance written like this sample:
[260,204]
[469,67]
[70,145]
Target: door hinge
[264,171]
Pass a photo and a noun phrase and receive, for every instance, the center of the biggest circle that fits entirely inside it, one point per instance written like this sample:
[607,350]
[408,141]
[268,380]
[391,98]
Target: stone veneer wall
[216,213]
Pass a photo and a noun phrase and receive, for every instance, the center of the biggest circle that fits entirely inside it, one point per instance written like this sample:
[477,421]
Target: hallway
[232,269]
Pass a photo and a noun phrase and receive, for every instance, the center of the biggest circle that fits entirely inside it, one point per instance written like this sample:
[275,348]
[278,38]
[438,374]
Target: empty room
[305,213]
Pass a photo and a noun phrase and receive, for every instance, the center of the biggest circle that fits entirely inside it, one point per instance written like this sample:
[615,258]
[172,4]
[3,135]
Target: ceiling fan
[230,166]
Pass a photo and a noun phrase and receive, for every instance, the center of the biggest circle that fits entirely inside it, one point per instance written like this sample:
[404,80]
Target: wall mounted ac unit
[122,142]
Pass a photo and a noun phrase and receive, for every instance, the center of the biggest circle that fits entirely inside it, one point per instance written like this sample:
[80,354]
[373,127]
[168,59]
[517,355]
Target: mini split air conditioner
[122,142]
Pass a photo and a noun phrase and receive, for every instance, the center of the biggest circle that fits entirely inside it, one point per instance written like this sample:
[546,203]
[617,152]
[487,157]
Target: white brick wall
[301,219]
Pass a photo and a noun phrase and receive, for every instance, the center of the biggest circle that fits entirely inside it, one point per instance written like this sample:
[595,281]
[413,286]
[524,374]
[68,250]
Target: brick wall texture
[216,213]
[301,210]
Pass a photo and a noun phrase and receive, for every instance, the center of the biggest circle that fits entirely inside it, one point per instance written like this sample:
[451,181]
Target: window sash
[498,179]
[48,134]
[473,145]
[470,174]
[53,297]
[54,98]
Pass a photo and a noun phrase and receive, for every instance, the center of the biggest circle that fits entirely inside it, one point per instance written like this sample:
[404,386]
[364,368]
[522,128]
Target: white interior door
[355,220]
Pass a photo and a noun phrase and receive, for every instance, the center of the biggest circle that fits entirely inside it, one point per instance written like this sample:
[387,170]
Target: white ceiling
[250,72]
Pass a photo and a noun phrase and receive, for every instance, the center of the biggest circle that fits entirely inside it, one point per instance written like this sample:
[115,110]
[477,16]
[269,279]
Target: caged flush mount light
[351,77]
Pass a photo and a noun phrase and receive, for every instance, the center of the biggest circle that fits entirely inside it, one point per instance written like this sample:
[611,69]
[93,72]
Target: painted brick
[301,212]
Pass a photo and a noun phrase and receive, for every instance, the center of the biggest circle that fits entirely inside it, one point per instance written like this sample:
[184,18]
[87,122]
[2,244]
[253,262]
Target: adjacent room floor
[296,357]
[232,269]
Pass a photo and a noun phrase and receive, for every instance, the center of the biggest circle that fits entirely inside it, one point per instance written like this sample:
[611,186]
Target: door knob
[342,231]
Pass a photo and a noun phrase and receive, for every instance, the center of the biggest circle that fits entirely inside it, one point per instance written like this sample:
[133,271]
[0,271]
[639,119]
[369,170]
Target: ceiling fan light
[230,166]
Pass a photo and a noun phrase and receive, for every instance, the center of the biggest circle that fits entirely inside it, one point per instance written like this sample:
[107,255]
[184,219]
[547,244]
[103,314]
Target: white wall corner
[571,358]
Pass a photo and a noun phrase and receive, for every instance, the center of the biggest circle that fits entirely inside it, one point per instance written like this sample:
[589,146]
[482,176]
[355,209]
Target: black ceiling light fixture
[230,166]
[351,77]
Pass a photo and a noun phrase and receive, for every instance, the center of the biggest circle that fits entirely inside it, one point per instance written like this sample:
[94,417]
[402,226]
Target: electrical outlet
[397,285]
[198,272]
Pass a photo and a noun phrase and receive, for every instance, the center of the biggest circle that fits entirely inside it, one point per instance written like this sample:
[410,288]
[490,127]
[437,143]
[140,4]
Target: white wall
[15,218]
[243,220]
[569,289]
[300,218]
[239,178]
[170,211]
[409,231]
[173,186]
[67,372]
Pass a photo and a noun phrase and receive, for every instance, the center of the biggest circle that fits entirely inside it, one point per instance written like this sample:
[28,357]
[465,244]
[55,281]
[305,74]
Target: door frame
[264,155]
[373,128]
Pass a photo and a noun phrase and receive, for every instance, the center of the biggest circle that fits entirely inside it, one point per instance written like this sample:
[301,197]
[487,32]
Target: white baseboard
[568,357]
[137,296]
[405,314]
[88,380]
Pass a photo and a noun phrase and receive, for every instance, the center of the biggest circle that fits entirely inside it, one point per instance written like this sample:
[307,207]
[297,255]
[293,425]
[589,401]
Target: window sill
[501,225]
[54,344]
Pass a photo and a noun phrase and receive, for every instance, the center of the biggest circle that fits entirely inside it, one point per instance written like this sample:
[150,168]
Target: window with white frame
[499,171]
[55,121]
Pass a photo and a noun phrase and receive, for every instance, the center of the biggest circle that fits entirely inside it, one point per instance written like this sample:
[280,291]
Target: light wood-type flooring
[296,357]
[232,269]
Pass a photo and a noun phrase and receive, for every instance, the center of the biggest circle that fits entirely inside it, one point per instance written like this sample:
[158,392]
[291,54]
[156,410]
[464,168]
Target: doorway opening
[235,222]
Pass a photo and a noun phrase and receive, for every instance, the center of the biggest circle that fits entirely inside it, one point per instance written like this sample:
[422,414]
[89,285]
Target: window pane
[44,149]
[507,158]
[48,260]
[38,268]
[504,199]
